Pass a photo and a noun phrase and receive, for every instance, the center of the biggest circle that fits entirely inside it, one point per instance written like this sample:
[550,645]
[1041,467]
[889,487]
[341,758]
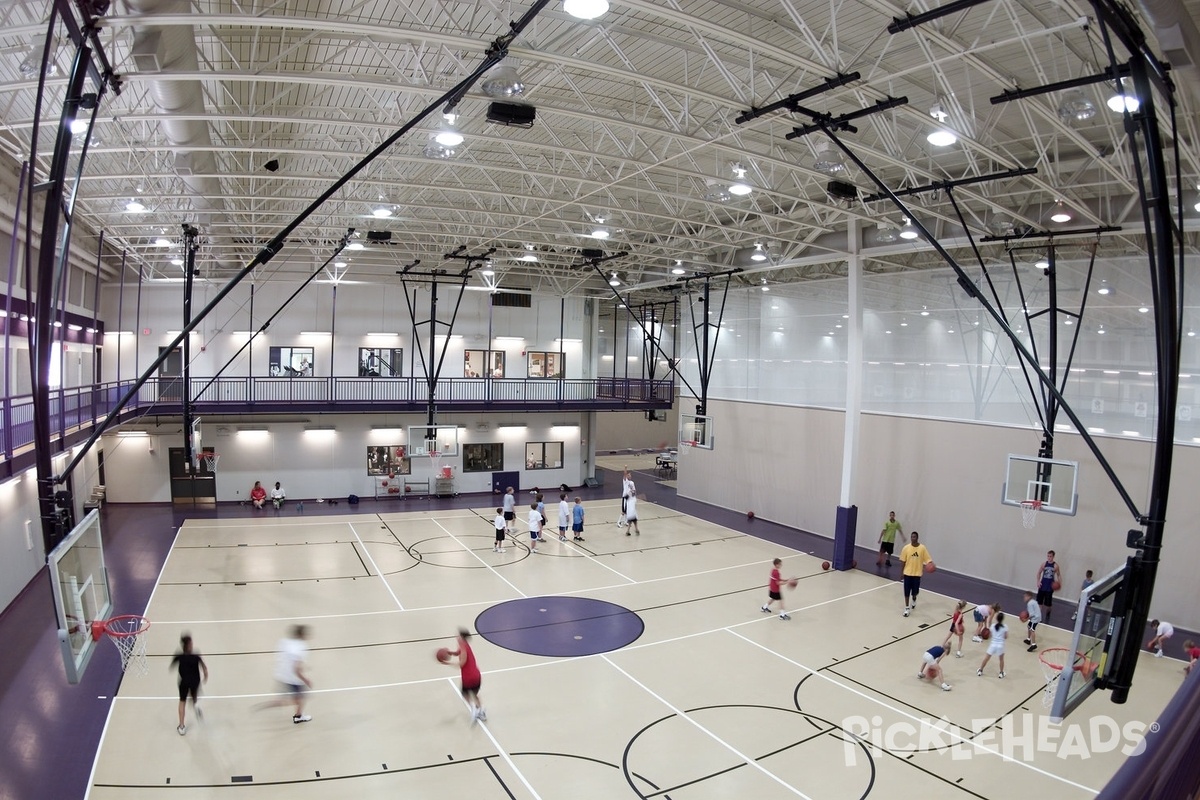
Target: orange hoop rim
[1061,652]
[120,634]
[1036,505]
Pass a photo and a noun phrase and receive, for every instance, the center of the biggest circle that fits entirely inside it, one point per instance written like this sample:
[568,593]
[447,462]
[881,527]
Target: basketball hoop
[210,460]
[126,632]
[435,461]
[1029,512]
[1053,661]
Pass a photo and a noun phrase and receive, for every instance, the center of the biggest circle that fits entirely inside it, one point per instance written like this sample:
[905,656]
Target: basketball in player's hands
[987,634]
[930,566]
[443,655]
[1055,586]
[793,583]
[1024,616]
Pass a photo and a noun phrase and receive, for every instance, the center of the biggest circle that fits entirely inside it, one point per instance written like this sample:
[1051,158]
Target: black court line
[499,780]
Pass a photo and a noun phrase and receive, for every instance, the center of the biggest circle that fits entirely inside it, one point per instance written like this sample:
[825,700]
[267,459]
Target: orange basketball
[793,583]
[1024,616]
[930,566]
[383,482]
[1089,668]
[824,565]
[750,515]
[443,655]
[931,672]
[1055,586]
[987,634]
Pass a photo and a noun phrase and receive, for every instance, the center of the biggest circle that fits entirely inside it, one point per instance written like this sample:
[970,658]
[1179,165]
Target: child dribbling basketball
[774,593]
[931,665]
[957,628]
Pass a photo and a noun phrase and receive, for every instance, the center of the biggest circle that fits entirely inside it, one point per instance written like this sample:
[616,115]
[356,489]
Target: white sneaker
[979,672]
[920,676]
[914,602]
[946,687]
[785,615]
[1001,674]
[182,729]
[482,714]
[766,610]
[298,718]
[958,654]
[501,550]
[1158,654]
[976,638]
[906,611]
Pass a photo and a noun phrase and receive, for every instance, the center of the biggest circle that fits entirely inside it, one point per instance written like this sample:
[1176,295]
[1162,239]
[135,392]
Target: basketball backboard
[1098,627]
[445,436]
[80,583]
[696,431]
[1053,483]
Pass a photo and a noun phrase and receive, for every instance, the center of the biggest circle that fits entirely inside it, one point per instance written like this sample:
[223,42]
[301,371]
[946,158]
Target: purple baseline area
[559,626]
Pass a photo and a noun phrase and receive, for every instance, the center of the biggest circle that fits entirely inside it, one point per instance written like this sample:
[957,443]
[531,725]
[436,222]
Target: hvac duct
[1179,39]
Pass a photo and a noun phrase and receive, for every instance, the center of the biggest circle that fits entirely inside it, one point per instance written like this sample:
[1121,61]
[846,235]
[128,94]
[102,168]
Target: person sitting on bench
[277,495]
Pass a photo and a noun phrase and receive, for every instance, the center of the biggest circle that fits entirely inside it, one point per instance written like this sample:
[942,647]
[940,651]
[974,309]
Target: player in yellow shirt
[914,557]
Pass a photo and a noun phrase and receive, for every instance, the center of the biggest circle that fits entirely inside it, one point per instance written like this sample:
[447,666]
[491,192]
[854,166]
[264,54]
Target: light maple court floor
[620,667]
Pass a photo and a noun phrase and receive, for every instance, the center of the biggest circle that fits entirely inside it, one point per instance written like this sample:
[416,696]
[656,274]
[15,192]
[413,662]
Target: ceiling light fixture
[1124,100]
[908,230]
[885,233]
[488,270]
[529,255]
[1042,263]
[79,126]
[585,9]
[739,187]
[503,81]
[448,136]
[1060,213]
[764,287]
[826,159]
[1104,288]
[177,261]
[614,280]
[135,207]
[716,191]
[439,152]
[162,241]
[1076,108]
[759,254]
[678,268]
[941,136]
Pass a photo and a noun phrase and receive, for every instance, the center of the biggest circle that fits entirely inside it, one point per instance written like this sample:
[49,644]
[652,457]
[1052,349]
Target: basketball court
[623,666]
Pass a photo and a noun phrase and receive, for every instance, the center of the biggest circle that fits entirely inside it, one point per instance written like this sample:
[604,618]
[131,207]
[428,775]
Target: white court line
[915,718]
[99,747]
[378,571]
[607,587]
[678,712]
[503,753]
[476,556]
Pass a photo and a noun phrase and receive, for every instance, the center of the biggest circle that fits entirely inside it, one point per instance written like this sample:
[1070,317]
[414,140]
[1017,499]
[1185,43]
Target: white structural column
[854,364]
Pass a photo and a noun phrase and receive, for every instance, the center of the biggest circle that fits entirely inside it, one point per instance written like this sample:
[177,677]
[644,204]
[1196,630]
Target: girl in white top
[631,516]
[996,643]
[1162,631]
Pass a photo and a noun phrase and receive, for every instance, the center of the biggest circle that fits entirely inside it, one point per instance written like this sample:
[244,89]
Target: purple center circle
[559,626]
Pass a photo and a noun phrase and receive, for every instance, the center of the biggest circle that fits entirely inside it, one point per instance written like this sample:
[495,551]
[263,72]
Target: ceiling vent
[145,52]
[379,236]
[516,115]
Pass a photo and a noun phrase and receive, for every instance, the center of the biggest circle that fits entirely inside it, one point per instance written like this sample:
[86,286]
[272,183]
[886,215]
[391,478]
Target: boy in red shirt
[471,678]
[774,595]
[1192,654]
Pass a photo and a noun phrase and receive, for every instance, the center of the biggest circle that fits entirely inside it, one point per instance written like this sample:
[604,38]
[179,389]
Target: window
[483,364]
[380,362]
[391,459]
[291,362]
[546,365]
[483,457]
[543,455]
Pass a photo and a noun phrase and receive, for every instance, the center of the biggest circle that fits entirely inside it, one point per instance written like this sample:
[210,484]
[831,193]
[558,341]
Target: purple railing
[77,407]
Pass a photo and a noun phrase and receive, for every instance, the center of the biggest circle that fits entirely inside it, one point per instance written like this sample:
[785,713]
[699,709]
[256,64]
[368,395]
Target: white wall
[21,550]
[330,464]
[944,479]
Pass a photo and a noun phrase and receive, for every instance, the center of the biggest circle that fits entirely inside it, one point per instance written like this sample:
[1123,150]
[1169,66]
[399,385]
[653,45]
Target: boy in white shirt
[501,528]
[277,495]
[1033,614]
[535,526]
[564,517]
[510,511]
[627,488]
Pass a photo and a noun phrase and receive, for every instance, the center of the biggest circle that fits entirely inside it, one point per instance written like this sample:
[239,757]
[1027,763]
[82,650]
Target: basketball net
[1029,512]
[210,460]
[128,634]
[1053,661]
[435,456]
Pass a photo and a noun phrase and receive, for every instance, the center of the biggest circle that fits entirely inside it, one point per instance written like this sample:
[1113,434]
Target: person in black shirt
[191,666]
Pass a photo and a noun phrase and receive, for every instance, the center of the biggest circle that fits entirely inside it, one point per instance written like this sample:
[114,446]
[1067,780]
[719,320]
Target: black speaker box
[515,114]
[379,236]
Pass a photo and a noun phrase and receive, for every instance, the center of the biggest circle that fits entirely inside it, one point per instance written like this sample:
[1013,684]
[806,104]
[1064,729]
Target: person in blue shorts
[577,519]
[931,666]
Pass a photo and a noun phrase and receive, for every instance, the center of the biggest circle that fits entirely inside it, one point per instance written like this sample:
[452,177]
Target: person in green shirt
[887,540]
